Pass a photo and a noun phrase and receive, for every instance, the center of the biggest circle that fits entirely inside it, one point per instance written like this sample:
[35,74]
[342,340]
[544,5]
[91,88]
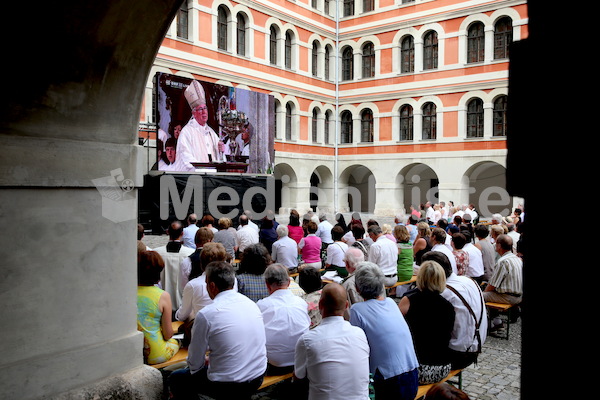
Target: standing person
[235,366]
[173,253]
[197,141]
[488,252]
[310,247]
[154,311]
[430,318]
[336,251]
[334,356]
[471,321]
[285,249]
[384,253]
[295,230]
[393,362]
[285,316]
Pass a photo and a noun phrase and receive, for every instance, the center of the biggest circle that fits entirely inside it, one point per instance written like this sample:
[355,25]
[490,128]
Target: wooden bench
[503,308]
[273,379]
[411,280]
[180,356]
[423,389]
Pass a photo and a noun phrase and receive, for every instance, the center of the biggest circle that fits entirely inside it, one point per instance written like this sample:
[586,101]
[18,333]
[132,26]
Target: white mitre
[194,94]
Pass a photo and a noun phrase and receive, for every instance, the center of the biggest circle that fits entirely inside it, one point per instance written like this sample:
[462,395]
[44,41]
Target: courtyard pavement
[496,376]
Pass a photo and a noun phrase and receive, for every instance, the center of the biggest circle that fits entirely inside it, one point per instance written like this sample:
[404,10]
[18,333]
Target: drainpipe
[337,105]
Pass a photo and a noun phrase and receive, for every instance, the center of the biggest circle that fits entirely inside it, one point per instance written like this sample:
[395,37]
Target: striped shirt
[508,275]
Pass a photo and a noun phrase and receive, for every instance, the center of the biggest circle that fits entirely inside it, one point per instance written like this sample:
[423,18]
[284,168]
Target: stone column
[68,179]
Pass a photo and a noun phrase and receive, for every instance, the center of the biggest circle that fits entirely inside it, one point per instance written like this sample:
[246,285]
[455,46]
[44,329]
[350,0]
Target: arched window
[327,63]
[366,126]
[314,124]
[430,50]
[348,8]
[288,50]
[326,130]
[183,21]
[429,121]
[499,123]
[407,54]
[347,64]
[222,28]
[406,122]
[346,127]
[288,121]
[475,43]
[241,35]
[368,60]
[273,45]
[315,58]
[503,35]
[475,118]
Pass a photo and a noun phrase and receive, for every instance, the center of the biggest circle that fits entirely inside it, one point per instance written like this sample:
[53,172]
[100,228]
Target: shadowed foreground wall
[72,87]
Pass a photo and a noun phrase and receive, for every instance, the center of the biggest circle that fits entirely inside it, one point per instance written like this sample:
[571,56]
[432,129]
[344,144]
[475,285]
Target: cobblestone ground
[496,376]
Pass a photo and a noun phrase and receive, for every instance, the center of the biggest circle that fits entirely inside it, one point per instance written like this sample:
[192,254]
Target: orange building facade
[380,104]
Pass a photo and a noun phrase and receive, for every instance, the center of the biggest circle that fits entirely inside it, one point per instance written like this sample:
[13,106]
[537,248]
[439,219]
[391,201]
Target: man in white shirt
[197,141]
[251,223]
[245,235]
[470,329]
[475,269]
[437,239]
[173,253]
[334,356]
[384,253]
[285,316]
[189,232]
[232,329]
[285,249]
[324,229]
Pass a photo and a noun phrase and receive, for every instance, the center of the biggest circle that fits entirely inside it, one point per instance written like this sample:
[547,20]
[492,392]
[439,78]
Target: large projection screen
[211,128]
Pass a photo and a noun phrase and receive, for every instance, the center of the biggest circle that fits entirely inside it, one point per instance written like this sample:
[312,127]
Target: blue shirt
[390,340]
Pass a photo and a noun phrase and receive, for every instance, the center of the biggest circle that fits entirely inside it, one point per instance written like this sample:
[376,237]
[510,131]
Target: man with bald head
[334,356]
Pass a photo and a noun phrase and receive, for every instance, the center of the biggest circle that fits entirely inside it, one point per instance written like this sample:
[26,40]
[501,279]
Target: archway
[285,188]
[321,189]
[487,188]
[357,190]
[419,184]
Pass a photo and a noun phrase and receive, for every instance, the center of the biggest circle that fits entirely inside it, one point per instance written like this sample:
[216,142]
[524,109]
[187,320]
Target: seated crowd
[245,316]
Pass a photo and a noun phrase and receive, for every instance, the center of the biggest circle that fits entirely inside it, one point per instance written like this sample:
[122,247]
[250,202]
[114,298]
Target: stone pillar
[68,128]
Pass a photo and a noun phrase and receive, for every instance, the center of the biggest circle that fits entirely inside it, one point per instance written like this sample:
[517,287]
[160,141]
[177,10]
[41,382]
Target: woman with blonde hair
[430,318]
[421,244]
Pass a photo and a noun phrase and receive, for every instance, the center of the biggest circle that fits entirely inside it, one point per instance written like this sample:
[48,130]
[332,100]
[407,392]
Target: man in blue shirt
[393,361]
